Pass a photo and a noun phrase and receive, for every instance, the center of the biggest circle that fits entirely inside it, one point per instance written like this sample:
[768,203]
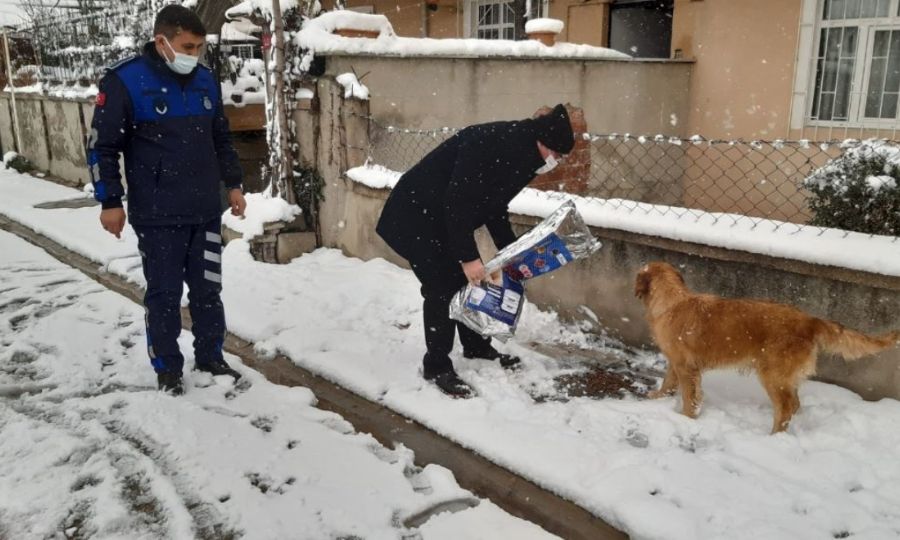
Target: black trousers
[441,277]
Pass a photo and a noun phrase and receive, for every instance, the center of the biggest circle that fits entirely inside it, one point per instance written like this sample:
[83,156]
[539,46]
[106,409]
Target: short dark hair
[174,18]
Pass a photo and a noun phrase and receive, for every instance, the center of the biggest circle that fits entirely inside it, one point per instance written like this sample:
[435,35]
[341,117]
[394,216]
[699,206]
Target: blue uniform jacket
[174,135]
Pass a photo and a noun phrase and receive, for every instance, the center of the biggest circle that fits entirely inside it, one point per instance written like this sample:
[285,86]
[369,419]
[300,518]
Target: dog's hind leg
[669,385]
[784,401]
[795,400]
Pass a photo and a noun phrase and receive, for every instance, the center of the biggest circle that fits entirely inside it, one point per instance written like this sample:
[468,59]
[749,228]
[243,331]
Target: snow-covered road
[90,449]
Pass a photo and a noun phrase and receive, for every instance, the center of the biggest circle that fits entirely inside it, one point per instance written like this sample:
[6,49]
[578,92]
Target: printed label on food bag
[502,302]
[544,257]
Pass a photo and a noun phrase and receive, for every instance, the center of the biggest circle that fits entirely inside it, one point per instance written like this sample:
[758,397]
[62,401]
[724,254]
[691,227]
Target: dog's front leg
[691,391]
[669,384]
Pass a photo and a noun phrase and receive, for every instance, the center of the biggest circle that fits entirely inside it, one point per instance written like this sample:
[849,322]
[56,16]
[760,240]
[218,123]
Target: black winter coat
[464,183]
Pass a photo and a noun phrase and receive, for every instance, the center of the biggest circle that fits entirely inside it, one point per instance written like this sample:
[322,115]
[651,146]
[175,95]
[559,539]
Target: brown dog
[697,332]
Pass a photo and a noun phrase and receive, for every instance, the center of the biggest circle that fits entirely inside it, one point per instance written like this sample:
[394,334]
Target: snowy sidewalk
[638,464]
[90,449]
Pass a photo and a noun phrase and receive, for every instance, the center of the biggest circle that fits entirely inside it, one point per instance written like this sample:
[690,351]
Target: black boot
[507,361]
[170,383]
[218,367]
[450,384]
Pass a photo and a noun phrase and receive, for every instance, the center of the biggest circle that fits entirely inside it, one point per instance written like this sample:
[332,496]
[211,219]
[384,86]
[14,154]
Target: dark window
[641,28]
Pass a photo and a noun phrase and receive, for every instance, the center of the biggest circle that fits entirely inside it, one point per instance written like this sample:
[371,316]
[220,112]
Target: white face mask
[183,63]
[550,163]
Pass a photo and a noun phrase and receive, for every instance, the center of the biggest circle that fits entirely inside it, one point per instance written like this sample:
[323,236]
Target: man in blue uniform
[164,113]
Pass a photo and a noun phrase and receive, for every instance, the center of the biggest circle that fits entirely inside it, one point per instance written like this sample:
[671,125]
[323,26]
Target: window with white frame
[856,63]
[493,19]
[244,51]
[496,19]
[537,8]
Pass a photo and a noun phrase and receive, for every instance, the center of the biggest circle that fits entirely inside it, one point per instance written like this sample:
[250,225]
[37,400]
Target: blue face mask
[183,63]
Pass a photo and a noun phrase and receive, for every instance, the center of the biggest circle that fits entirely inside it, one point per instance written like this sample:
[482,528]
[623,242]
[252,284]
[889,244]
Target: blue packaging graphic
[500,301]
[543,257]
[493,308]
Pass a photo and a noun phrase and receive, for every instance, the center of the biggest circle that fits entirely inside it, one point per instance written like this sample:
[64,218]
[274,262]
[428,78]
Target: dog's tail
[851,344]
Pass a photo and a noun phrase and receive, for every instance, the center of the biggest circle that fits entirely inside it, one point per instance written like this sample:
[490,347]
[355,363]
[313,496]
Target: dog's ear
[642,284]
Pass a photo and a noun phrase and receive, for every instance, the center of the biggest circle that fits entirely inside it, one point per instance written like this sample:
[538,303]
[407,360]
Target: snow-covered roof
[317,35]
[248,7]
[12,14]
[238,31]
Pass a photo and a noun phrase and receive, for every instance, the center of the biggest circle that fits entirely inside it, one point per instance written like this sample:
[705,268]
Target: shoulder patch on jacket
[122,62]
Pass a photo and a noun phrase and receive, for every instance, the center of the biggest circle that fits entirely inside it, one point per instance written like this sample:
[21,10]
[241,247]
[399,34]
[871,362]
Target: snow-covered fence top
[317,35]
[816,245]
[762,197]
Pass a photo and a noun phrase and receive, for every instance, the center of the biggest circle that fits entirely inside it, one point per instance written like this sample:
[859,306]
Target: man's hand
[113,220]
[237,202]
[474,271]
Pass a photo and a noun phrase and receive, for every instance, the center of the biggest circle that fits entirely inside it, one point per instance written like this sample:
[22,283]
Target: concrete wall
[33,131]
[622,96]
[7,138]
[52,131]
[67,152]
[745,54]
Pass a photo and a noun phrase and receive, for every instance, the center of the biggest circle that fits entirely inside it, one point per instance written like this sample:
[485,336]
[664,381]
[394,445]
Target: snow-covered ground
[638,464]
[89,448]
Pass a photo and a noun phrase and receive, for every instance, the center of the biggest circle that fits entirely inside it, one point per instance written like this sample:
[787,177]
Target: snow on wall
[316,35]
[829,247]
[261,209]
[333,20]
[352,86]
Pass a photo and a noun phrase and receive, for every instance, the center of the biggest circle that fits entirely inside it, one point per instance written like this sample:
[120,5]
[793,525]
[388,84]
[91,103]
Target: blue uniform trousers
[173,255]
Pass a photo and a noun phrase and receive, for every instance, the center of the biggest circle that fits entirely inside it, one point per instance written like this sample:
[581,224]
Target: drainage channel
[516,495]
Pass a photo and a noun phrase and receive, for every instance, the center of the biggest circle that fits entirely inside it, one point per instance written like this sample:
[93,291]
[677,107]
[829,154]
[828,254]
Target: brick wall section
[572,173]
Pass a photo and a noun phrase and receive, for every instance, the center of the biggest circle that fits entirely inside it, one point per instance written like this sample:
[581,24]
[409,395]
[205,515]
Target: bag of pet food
[493,307]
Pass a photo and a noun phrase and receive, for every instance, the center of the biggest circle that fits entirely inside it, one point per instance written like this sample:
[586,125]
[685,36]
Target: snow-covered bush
[858,191]
[245,82]
[13,160]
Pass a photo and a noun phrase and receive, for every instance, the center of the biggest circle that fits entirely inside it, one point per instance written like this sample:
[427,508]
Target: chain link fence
[735,182]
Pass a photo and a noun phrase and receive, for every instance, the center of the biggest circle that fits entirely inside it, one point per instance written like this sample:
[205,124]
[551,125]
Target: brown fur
[697,332]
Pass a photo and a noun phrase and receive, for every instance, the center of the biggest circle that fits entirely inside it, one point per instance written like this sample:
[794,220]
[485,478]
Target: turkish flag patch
[101,99]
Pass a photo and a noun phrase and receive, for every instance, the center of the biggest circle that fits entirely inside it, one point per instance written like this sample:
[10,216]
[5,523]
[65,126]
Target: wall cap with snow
[318,36]
[544,30]
[876,260]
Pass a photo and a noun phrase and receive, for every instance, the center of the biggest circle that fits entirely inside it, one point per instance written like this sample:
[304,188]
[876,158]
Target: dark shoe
[450,384]
[507,361]
[170,383]
[219,367]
